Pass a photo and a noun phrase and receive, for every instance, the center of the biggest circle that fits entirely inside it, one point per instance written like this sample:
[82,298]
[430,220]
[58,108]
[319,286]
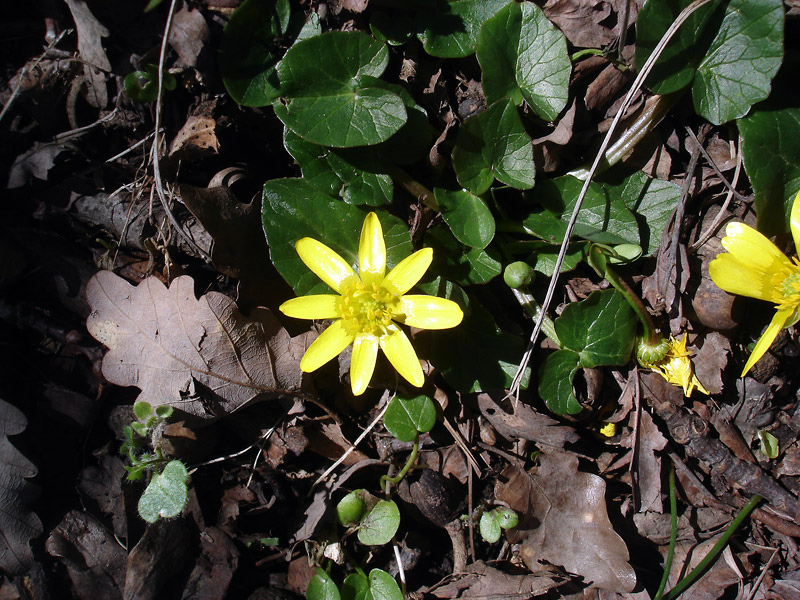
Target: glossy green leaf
[544,255]
[768,444]
[380,524]
[322,587]
[507,518]
[459,263]
[601,329]
[142,86]
[555,382]
[449,28]
[351,508]
[406,418]
[383,586]
[467,215]
[651,200]
[729,52]
[354,176]
[477,355]
[293,208]
[523,56]
[356,587]
[250,49]
[771,151]
[330,95]
[745,55]
[603,217]
[494,145]
[165,495]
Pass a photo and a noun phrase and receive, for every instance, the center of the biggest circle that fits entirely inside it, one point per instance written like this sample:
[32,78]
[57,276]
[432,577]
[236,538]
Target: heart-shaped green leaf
[330,95]
[450,28]
[383,586]
[603,217]
[771,151]
[165,495]
[467,215]
[459,263]
[555,382]
[322,587]
[494,144]
[293,208]
[249,51]
[601,329]
[352,507]
[408,417]
[524,57]
[380,524]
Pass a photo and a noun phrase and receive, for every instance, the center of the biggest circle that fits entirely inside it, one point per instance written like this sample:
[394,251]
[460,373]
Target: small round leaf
[380,524]
[322,587]
[408,417]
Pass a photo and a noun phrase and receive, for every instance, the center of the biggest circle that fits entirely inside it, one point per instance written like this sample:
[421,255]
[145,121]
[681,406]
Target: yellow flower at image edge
[755,267]
[676,367]
[369,307]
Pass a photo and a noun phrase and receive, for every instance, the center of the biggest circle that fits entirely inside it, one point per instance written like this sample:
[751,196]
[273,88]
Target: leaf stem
[532,307]
[386,481]
[412,186]
[673,533]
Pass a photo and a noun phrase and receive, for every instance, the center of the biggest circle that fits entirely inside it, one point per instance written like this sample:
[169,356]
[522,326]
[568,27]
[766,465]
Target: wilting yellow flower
[676,367]
[755,267]
[368,307]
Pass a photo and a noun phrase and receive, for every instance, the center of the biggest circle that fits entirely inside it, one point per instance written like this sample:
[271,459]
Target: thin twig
[638,82]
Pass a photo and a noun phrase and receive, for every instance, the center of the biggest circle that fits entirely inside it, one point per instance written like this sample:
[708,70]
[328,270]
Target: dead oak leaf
[200,356]
[563,521]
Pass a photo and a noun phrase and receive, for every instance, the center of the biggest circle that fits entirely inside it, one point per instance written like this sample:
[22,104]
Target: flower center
[366,308]
[788,288]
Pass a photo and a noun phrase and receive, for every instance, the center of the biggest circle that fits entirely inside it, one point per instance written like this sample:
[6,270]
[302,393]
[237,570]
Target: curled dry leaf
[487,583]
[563,521]
[525,423]
[647,467]
[201,357]
[18,525]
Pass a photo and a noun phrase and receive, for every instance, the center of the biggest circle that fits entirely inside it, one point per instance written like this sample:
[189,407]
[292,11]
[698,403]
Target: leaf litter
[591,506]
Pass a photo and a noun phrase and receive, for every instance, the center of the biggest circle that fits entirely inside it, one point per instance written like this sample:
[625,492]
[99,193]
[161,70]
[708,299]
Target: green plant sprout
[376,520]
[166,493]
[142,86]
[493,522]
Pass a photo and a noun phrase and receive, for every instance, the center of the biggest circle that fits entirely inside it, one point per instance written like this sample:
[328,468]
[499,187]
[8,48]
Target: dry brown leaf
[526,424]
[647,468]
[563,513]
[188,35]
[487,583]
[200,356]
[90,46]
[579,20]
[196,136]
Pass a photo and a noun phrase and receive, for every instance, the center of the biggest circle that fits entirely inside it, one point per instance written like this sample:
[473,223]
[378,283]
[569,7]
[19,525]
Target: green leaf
[524,56]
[142,86]
[330,95]
[380,524]
[322,587]
[351,508]
[768,444]
[467,215]
[744,57]
[603,217]
[408,417]
[601,329]
[461,264]
[771,151]
[490,527]
[477,355]
[494,144]
[292,209]
[355,176]
[356,587]
[383,586]
[544,255]
[728,51]
[449,29]
[555,382]
[166,494]
[143,411]
[507,518]
[651,200]
[250,50]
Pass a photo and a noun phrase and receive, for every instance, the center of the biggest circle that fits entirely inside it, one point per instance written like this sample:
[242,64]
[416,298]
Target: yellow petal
[371,249]
[409,271]
[324,262]
[320,306]
[362,363]
[794,222]
[756,253]
[329,344]
[736,277]
[429,312]
[398,349]
[779,321]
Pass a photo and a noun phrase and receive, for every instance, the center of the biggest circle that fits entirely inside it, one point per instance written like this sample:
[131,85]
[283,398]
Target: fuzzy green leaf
[293,208]
[523,56]
[494,144]
[467,215]
[330,95]
[166,494]
[449,28]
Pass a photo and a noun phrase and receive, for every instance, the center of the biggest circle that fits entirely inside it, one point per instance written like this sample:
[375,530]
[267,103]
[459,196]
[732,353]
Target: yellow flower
[676,367]
[369,306]
[755,267]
